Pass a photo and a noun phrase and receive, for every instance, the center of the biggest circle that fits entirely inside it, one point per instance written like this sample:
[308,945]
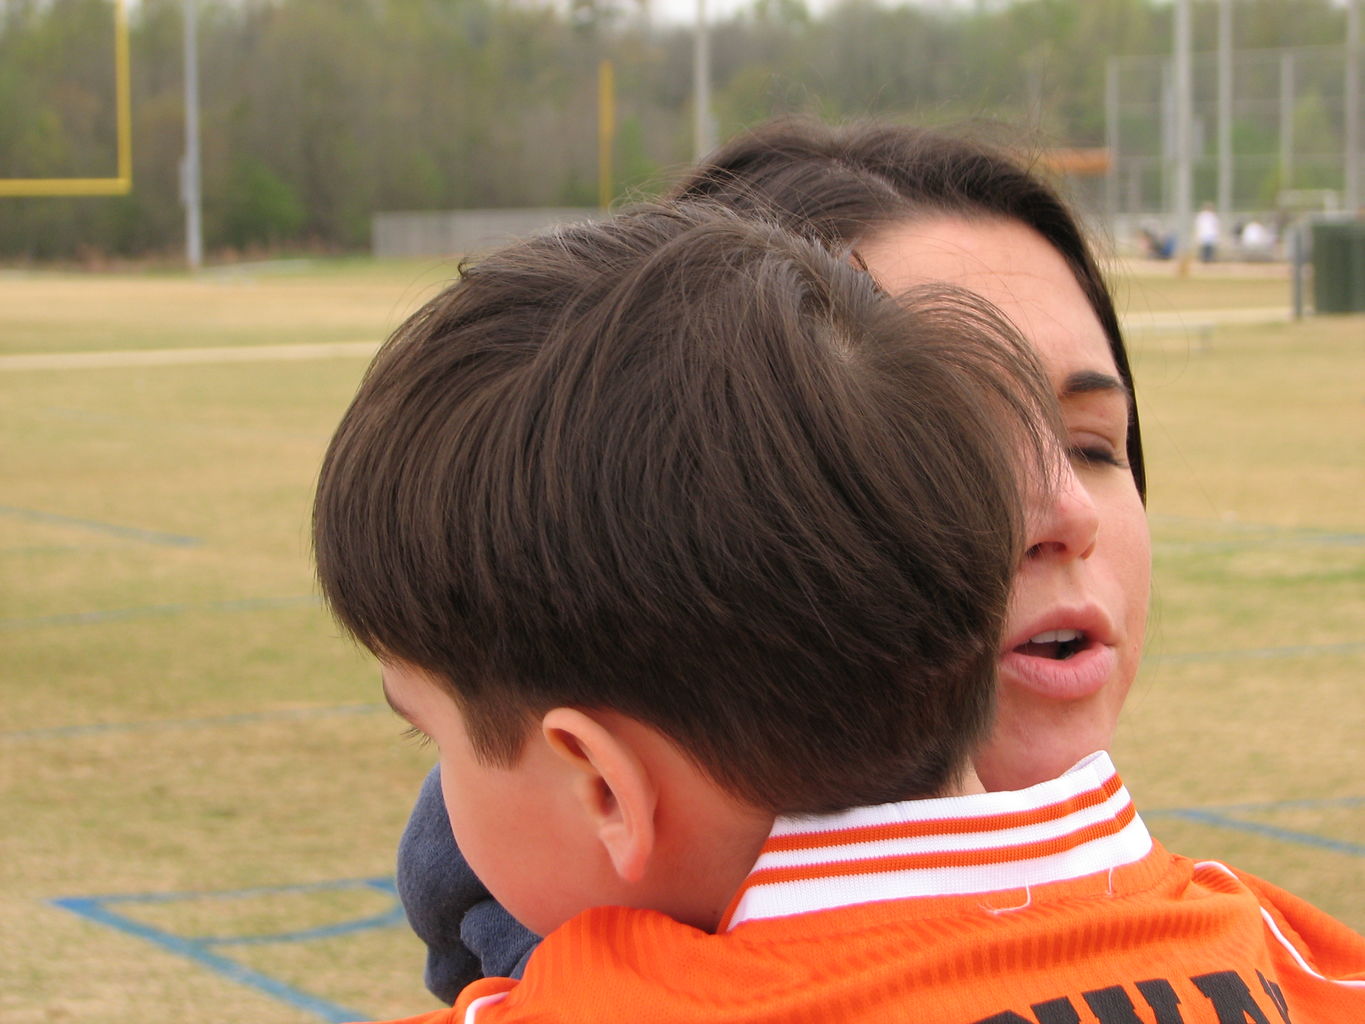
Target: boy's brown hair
[690,468]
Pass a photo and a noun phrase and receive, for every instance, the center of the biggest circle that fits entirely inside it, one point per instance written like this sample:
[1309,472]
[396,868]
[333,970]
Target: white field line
[1191,319]
[187,356]
[1176,320]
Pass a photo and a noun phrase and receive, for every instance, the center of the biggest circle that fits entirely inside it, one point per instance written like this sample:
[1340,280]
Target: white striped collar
[1080,823]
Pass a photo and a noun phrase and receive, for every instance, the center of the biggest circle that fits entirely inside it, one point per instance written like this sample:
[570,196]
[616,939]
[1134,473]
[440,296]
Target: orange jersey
[1051,905]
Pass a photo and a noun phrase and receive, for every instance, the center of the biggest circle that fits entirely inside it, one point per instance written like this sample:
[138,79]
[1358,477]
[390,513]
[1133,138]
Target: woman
[914,206]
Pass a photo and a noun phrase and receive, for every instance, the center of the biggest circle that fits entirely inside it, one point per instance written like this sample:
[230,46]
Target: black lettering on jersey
[1226,991]
[1230,997]
[1111,1005]
[1276,995]
[1054,1011]
[1162,999]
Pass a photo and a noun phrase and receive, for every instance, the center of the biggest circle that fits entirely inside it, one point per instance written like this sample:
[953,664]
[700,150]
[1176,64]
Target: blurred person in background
[1206,233]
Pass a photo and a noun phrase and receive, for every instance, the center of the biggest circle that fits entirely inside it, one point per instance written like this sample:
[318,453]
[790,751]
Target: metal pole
[1296,260]
[1111,140]
[606,131]
[1286,120]
[1183,176]
[189,168]
[1167,203]
[123,95]
[701,86]
[1352,133]
[1225,112]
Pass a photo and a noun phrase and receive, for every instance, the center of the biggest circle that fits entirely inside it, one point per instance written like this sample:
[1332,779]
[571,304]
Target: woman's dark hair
[841,183]
[687,466]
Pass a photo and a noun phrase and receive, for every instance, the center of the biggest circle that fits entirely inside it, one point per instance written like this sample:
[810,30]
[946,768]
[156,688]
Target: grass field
[202,790]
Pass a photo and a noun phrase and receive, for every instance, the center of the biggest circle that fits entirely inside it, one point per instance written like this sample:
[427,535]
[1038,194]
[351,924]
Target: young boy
[690,550]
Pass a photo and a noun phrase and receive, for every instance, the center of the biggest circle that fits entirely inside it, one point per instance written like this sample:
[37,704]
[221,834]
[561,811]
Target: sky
[685,11]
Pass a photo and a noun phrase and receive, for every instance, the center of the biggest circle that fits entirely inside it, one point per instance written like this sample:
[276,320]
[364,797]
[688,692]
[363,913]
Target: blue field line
[45,549]
[1224,816]
[1297,651]
[389,919]
[248,604]
[252,717]
[181,426]
[381,883]
[200,950]
[242,718]
[1288,805]
[1264,531]
[113,529]
[1206,817]
[1351,540]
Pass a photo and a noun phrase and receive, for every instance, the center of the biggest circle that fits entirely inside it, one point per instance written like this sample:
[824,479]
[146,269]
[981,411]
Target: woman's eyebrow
[1084,382]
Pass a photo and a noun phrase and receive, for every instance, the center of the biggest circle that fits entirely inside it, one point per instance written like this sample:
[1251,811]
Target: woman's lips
[1082,673]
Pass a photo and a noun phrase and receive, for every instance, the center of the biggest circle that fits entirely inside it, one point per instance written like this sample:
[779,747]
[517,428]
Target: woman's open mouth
[1055,644]
[1060,664]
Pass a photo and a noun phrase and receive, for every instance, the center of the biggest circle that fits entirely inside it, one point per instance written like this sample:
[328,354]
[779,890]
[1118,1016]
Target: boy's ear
[615,788]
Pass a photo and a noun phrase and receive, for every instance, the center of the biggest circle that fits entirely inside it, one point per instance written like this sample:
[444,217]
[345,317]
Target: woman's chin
[1036,739]
[1079,677]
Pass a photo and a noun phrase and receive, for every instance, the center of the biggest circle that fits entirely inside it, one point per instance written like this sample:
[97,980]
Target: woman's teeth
[1056,636]
[1056,644]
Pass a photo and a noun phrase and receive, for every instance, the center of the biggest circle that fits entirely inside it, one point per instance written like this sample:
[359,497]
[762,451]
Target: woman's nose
[1067,523]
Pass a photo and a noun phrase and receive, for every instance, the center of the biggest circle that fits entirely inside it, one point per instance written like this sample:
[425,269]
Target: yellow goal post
[122,182]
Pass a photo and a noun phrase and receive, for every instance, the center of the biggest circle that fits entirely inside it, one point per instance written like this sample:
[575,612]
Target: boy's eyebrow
[1084,382]
[393,705]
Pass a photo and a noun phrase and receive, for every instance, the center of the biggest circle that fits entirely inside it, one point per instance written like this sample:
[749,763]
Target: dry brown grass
[235,742]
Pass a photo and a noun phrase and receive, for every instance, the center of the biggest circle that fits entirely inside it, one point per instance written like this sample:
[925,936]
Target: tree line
[316,113]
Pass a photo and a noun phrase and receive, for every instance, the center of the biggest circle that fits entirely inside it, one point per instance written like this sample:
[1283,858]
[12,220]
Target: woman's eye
[414,735]
[1093,452]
